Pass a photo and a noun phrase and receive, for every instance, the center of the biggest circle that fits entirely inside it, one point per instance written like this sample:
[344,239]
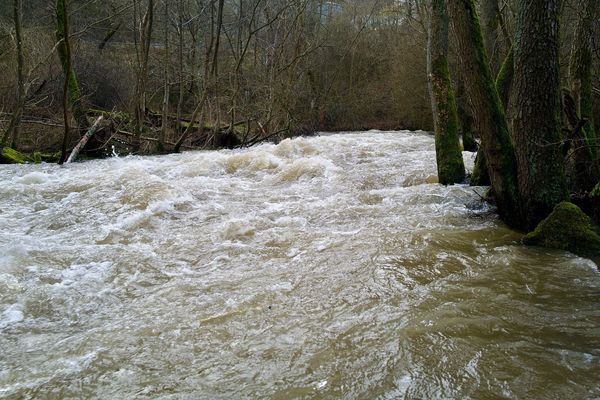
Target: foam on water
[326,267]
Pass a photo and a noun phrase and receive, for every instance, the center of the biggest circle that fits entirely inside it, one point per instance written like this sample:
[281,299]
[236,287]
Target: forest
[149,77]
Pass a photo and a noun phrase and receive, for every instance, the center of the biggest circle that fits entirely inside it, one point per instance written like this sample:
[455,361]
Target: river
[318,268]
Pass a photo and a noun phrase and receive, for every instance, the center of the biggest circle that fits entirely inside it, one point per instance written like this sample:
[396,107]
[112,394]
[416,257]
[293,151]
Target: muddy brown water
[319,268]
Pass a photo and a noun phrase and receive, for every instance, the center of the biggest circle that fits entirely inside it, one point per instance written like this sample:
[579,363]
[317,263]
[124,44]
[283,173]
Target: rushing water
[326,267]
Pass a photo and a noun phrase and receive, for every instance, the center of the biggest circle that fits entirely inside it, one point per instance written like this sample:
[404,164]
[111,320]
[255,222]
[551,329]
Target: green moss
[595,191]
[505,77]
[450,164]
[566,228]
[12,156]
[497,145]
[46,157]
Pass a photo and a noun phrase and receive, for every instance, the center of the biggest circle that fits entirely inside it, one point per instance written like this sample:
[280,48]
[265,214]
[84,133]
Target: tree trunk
[490,16]
[160,146]
[142,72]
[505,78]
[536,124]
[215,71]
[450,165]
[64,54]
[465,116]
[62,20]
[11,135]
[490,120]
[585,174]
[580,68]
[84,140]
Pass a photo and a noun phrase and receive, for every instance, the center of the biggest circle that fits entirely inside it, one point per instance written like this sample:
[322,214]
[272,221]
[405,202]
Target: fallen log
[84,140]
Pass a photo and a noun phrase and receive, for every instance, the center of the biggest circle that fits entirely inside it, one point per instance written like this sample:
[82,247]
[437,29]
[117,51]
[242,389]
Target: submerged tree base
[566,228]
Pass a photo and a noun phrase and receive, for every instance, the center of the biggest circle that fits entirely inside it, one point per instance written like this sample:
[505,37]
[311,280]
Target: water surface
[318,268]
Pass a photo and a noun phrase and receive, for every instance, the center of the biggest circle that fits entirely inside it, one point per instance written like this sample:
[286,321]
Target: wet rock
[566,228]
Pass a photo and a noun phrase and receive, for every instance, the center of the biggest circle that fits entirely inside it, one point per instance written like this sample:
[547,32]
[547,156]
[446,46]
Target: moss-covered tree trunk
[443,104]
[536,120]
[73,93]
[490,120]
[580,76]
[11,135]
[504,80]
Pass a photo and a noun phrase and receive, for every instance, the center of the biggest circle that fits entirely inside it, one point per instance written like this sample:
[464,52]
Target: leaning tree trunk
[443,104]
[11,135]
[536,123]
[490,120]
[73,92]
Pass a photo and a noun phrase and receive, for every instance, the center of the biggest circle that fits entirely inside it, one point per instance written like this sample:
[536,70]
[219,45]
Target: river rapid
[318,268]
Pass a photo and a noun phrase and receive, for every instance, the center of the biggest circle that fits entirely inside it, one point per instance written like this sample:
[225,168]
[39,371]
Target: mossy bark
[504,80]
[490,119]
[566,228]
[450,164]
[480,175]
[12,156]
[74,92]
[536,120]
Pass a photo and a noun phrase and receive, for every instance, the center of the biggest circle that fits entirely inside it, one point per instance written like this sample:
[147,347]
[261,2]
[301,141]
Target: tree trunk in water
[84,140]
[490,120]
[215,72]
[450,165]
[585,174]
[62,19]
[536,123]
[64,54]
[11,135]
[142,78]
[160,146]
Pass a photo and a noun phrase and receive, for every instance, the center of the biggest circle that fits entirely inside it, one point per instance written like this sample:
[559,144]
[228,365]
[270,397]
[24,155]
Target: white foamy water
[326,267]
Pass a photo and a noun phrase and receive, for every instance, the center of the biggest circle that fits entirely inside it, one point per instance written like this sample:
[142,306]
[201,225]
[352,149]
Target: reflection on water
[329,267]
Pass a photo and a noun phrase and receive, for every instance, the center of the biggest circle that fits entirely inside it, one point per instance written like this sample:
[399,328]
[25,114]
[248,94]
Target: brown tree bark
[536,124]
